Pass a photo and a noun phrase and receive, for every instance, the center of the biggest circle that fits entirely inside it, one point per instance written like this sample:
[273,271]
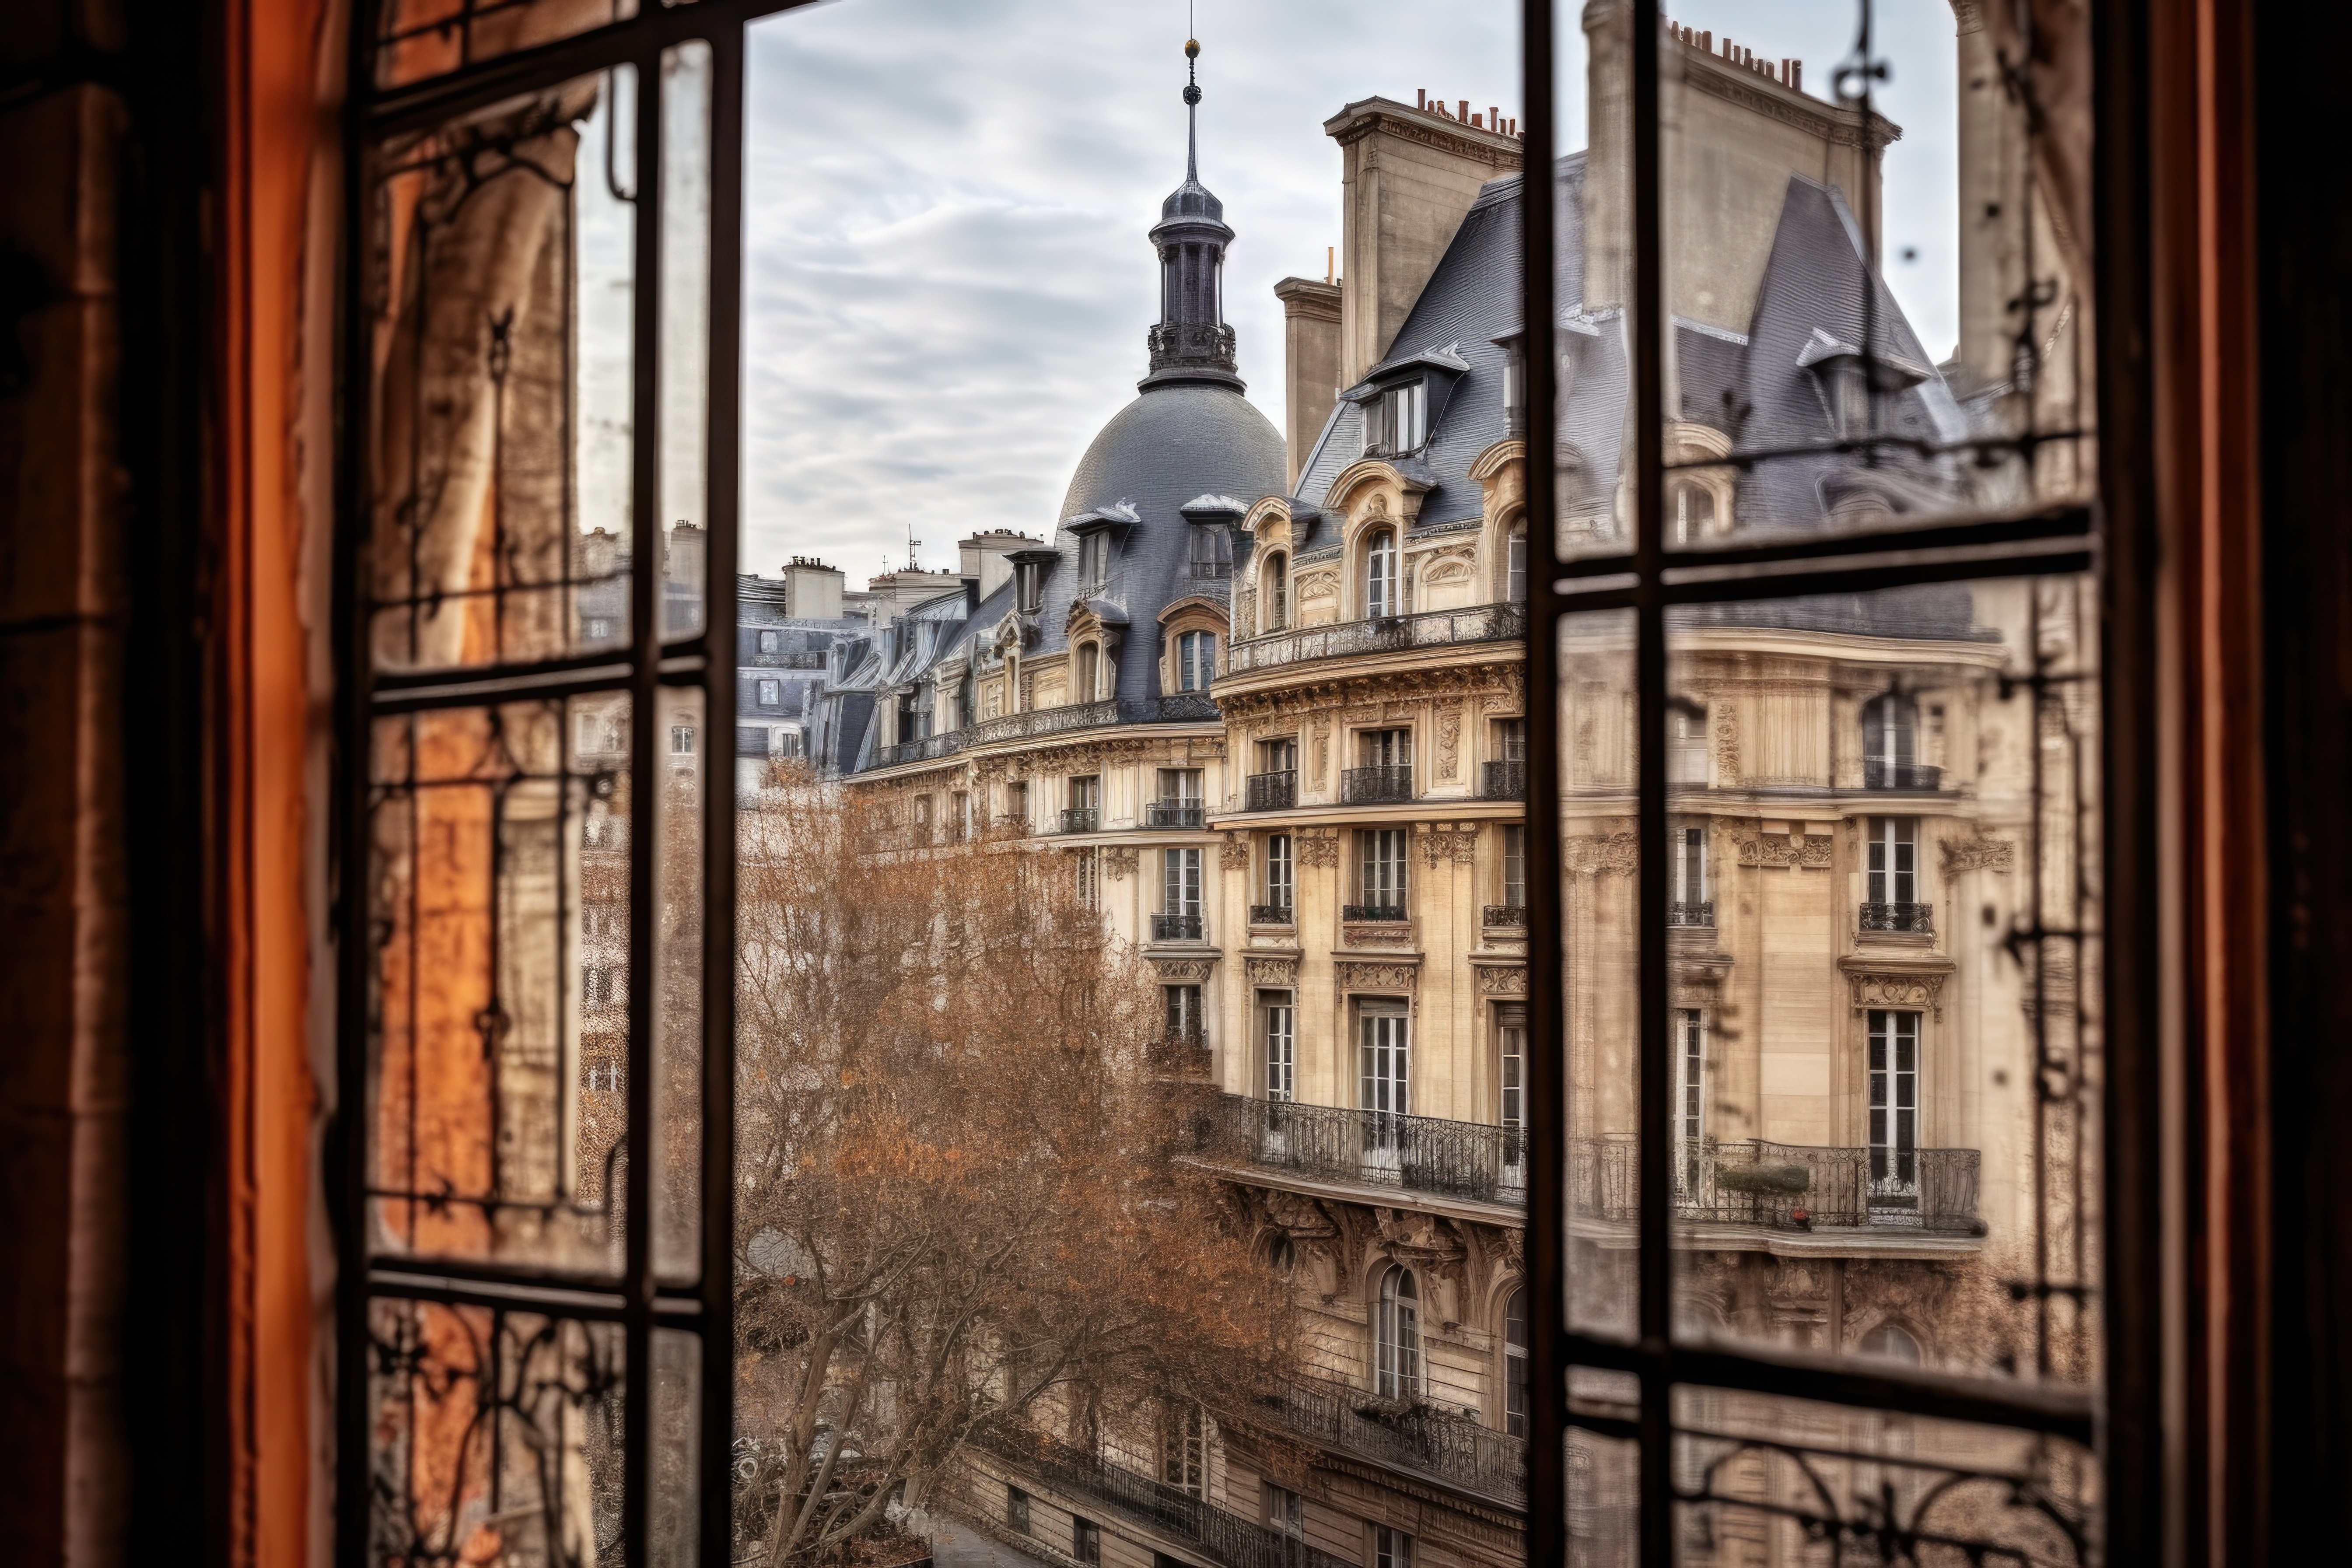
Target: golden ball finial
[1191,49]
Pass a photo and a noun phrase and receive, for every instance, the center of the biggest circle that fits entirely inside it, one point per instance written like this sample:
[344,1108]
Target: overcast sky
[948,283]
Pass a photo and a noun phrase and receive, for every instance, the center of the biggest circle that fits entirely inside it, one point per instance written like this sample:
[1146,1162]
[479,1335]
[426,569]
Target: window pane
[677,1005]
[1592,345]
[418,39]
[685,379]
[1878,301]
[1786,1478]
[500,313]
[1894,1100]
[497,1437]
[1600,959]
[498,1056]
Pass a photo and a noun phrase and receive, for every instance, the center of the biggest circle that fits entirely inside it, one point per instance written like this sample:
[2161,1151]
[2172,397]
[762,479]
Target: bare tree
[960,1215]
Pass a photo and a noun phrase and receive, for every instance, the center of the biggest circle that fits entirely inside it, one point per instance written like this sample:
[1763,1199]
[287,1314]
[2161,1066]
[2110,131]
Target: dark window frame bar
[645,667]
[2118,1416]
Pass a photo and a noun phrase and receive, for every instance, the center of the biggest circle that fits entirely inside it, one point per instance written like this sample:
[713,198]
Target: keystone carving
[1880,989]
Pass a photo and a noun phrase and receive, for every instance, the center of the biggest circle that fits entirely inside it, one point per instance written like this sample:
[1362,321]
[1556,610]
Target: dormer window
[1029,587]
[1089,671]
[1515,564]
[1211,551]
[1515,389]
[1394,421]
[1196,660]
[1380,573]
[1094,561]
[1275,591]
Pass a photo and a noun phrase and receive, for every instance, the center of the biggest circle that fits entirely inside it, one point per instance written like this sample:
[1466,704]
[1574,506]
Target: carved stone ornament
[1233,855]
[1978,855]
[1782,849]
[1378,976]
[1440,843]
[1422,1240]
[1449,740]
[1388,933]
[1592,856]
[1879,988]
[1271,970]
[1497,980]
[1319,848]
[1184,971]
[1116,863]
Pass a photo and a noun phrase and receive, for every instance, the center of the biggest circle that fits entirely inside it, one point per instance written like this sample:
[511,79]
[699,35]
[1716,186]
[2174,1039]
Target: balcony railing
[1682,913]
[1271,915]
[1505,915]
[1918,919]
[1504,781]
[1788,1186]
[1373,785]
[1175,928]
[1373,912]
[1221,1536]
[1079,819]
[1880,775]
[920,751]
[1447,1448]
[1385,634]
[1274,791]
[1172,814]
[1418,1153]
[796,658]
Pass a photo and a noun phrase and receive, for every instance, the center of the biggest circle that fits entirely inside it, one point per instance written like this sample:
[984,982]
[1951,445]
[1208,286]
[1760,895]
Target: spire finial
[1192,110]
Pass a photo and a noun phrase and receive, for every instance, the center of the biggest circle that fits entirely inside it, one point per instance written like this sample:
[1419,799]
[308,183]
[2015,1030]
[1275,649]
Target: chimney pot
[1421,97]
[1707,41]
[1465,111]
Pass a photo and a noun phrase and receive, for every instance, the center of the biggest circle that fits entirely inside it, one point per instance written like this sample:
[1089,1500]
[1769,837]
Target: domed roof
[1173,443]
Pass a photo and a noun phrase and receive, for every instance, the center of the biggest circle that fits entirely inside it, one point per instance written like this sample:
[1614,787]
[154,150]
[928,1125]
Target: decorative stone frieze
[1613,853]
[1184,971]
[1449,742]
[1502,980]
[1783,849]
[1319,848]
[1367,976]
[1233,855]
[1271,971]
[1979,854]
[1444,841]
[1387,933]
[1884,988]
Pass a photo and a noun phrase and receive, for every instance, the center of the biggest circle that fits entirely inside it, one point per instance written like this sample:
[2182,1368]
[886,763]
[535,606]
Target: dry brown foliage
[958,1212]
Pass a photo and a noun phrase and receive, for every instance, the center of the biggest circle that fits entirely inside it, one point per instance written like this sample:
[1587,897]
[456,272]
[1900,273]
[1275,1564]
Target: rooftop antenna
[913,544]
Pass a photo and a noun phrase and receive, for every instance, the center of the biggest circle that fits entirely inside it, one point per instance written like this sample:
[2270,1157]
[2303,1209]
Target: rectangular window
[1511,1103]
[1893,861]
[1396,426]
[1515,867]
[960,816]
[1686,746]
[1179,882]
[1016,1511]
[1086,1540]
[1690,1088]
[1196,660]
[1184,1450]
[1181,1012]
[1392,1548]
[681,740]
[1279,756]
[1281,1046]
[1088,871]
[1086,792]
[1380,879]
[1016,803]
[1385,1079]
[1180,784]
[770,693]
[1281,892]
[1690,904]
[1385,748]
[771,642]
[1894,1105]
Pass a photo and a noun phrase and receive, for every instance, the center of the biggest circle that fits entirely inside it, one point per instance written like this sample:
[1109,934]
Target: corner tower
[1192,342]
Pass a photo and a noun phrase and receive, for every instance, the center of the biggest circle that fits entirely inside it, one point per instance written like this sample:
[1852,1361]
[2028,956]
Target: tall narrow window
[1381,881]
[1515,1364]
[1184,1449]
[1515,867]
[1385,1073]
[1890,745]
[1274,592]
[1687,762]
[1396,1331]
[1016,1510]
[1179,919]
[1894,1105]
[1694,513]
[1690,1090]
[1086,1540]
[1515,564]
[1281,1047]
[1196,660]
[1686,879]
[1392,1548]
[1088,675]
[1087,869]
[1287,1518]
[1510,1076]
[1281,889]
[1181,1012]
[770,693]
[1380,573]
[1891,893]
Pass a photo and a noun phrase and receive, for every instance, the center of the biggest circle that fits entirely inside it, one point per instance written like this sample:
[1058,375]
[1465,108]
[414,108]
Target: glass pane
[1769,1479]
[673,1530]
[503,257]
[1599,967]
[497,1437]
[1225,394]
[1887,1045]
[1605,1515]
[678,1014]
[417,39]
[1876,284]
[497,1056]
[685,335]
[1592,281]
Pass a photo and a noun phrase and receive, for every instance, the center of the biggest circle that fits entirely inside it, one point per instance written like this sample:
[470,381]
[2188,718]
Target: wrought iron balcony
[1271,915]
[1417,1439]
[1680,913]
[1918,919]
[1505,915]
[1788,1186]
[1385,634]
[1215,1533]
[1274,791]
[1374,785]
[1880,775]
[920,751]
[1380,1149]
[1504,781]
[1172,814]
[1373,912]
[1175,928]
[1080,819]
[1044,721]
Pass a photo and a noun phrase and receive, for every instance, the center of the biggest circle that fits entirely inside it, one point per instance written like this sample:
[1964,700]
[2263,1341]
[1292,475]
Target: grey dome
[1171,444]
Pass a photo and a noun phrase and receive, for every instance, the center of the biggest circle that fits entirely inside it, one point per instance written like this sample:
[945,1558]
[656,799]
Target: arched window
[1380,573]
[1890,743]
[1274,589]
[1891,1343]
[1515,565]
[1690,513]
[1397,1337]
[1516,1386]
[1082,685]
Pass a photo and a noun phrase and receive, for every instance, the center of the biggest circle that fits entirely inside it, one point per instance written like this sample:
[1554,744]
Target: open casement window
[1907,520]
[536,1027]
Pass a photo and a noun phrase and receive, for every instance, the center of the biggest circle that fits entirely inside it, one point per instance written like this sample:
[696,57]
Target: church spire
[1192,342]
